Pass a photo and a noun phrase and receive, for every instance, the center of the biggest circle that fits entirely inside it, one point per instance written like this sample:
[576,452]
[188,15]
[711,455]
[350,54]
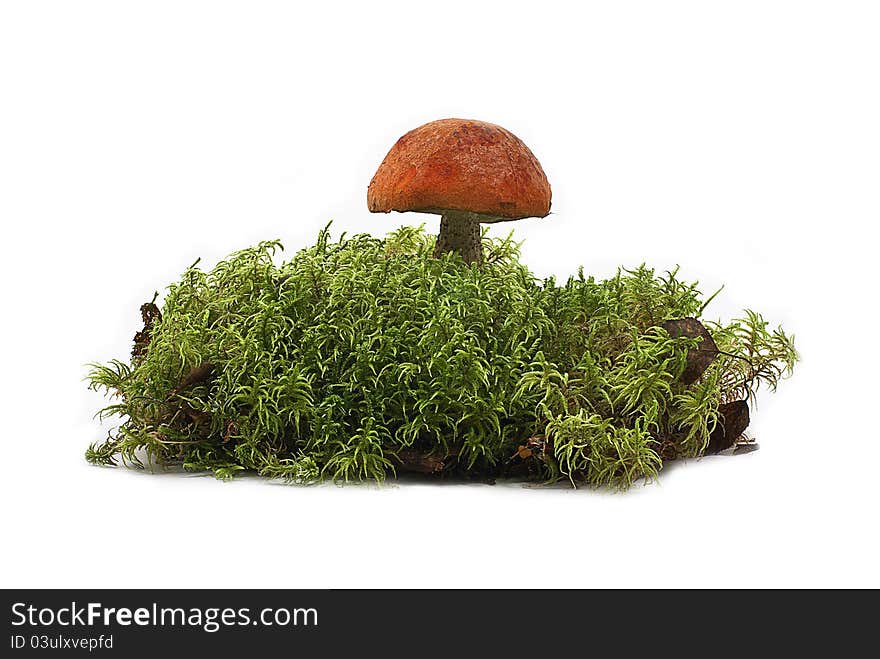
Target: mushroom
[469,172]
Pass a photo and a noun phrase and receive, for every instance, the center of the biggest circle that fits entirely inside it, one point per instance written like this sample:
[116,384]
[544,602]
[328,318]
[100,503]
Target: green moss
[356,355]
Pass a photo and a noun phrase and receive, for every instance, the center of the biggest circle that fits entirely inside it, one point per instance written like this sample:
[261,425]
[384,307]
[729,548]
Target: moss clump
[363,357]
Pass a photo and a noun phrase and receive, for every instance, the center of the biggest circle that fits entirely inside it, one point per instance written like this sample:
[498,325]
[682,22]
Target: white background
[738,139]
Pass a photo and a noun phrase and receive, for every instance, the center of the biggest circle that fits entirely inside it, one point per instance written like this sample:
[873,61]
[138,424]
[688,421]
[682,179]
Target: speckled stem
[460,232]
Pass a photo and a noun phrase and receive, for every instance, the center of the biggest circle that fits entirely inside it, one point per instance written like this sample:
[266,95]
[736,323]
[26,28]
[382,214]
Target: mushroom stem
[460,232]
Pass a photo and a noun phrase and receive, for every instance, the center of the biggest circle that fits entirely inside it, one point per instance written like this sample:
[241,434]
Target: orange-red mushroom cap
[461,165]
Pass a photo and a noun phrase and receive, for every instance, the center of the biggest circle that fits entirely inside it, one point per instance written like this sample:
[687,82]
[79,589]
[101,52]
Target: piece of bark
[666,448]
[196,374]
[732,422]
[698,359]
[150,314]
[196,416]
[413,460]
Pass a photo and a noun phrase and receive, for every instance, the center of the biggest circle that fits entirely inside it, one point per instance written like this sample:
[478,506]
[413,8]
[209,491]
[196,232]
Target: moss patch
[363,357]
